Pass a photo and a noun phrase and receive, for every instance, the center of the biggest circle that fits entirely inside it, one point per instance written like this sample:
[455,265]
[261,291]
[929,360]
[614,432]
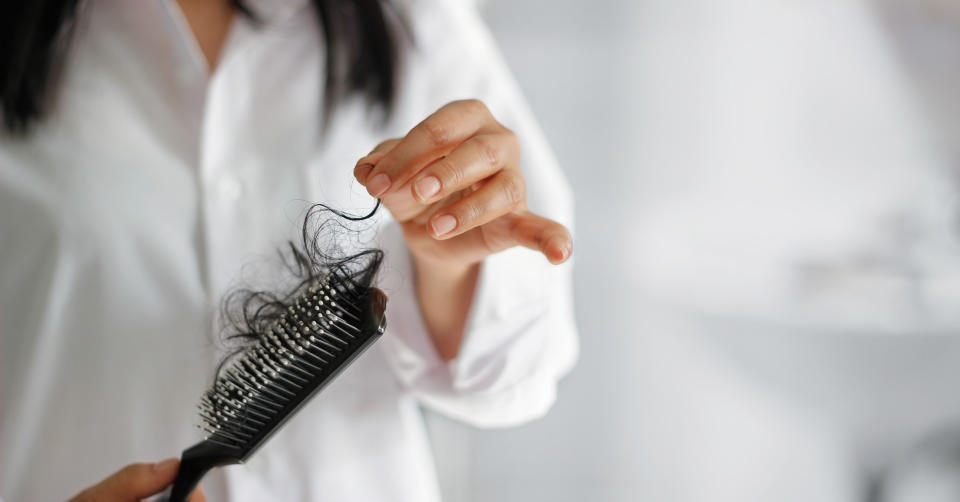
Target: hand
[135,482]
[455,186]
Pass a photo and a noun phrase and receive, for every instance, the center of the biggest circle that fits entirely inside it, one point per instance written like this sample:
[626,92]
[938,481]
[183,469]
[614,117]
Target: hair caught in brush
[248,314]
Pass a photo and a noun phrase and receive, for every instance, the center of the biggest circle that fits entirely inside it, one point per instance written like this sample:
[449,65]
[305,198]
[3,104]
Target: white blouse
[153,187]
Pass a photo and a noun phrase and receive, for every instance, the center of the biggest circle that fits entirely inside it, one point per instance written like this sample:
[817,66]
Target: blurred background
[768,253]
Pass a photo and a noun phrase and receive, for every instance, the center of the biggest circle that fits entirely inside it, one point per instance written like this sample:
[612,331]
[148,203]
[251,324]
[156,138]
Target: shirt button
[231,188]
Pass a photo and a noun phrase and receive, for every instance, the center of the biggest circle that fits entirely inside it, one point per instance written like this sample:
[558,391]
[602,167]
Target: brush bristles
[265,378]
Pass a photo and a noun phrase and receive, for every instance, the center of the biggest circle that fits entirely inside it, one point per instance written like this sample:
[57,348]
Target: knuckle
[474,105]
[436,132]
[447,172]
[488,150]
[468,214]
[514,189]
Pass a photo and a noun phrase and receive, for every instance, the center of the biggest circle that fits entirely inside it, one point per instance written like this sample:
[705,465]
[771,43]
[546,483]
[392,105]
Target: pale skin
[454,185]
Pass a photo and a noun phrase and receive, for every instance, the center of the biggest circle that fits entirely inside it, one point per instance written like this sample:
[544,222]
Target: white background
[707,371]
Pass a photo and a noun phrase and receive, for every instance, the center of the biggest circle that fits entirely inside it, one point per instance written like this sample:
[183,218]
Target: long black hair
[360,37]
[247,314]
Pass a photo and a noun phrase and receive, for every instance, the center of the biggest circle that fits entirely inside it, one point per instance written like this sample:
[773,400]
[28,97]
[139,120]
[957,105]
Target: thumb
[541,234]
[134,482]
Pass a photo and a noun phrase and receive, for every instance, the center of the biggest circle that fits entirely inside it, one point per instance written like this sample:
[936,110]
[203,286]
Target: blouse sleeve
[521,336]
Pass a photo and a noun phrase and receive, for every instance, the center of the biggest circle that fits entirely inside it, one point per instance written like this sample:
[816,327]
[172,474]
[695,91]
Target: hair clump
[249,314]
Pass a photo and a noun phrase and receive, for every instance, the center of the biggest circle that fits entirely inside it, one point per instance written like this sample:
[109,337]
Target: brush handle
[187,479]
[194,464]
[203,456]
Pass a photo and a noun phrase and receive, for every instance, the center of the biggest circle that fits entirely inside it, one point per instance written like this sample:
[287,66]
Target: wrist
[445,293]
[449,269]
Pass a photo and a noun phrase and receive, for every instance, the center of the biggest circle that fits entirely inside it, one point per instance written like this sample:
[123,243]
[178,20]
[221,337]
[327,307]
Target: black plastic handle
[194,464]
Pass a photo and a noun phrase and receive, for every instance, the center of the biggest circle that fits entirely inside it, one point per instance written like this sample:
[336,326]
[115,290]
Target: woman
[140,174]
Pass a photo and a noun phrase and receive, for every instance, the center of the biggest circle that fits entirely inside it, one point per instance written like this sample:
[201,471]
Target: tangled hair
[248,314]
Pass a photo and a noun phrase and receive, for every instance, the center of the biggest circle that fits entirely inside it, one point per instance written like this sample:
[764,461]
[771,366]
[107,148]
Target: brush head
[317,336]
[320,332]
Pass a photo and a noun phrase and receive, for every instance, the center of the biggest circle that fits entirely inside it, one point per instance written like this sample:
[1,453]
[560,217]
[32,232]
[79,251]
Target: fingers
[542,234]
[500,195]
[137,481]
[132,483]
[477,158]
[362,170]
[431,139]
[456,174]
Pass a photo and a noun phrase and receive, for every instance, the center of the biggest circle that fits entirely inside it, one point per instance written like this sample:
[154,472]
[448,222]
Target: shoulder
[450,54]
[433,24]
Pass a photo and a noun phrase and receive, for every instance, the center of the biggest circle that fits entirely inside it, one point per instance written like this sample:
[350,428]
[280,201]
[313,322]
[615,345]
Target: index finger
[431,139]
[365,165]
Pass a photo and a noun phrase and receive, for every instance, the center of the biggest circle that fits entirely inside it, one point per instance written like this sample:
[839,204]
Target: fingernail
[379,184]
[558,250]
[427,187]
[443,225]
[365,168]
[166,465]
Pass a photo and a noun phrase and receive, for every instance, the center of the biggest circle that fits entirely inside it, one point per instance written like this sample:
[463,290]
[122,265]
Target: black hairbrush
[322,330]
